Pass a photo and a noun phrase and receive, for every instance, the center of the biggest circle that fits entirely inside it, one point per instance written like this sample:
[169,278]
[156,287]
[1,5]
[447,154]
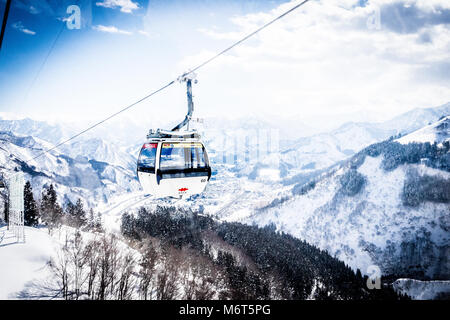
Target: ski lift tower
[3,191]
[16,205]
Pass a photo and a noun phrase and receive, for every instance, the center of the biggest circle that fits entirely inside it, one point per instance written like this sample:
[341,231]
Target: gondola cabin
[173,164]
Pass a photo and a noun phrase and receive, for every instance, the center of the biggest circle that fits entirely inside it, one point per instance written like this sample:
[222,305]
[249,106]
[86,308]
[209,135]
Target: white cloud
[111,29]
[222,35]
[323,59]
[34,10]
[19,26]
[148,34]
[126,6]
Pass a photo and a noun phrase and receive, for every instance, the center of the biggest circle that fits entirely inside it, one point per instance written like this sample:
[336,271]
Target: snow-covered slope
[100,150]
[438,132]
[38,129]
[423,290]
[23,263]
[92,180]
[416,119]
[358,212]
[101,165]
[323,150]
[24,266]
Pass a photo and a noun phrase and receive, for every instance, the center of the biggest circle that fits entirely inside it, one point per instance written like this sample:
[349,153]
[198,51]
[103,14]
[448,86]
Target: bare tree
[126,281]
[60,268]
[146,273]
[167,278]
[92,263]
[108,260]
[210,277]
[200,277]
[78,261]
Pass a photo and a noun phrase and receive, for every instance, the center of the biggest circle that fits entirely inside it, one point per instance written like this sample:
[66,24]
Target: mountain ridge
[386,205]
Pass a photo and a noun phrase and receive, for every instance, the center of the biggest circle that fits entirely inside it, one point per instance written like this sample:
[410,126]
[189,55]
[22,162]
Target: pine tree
[51,211]
[31,214]
[91,220]
[98,222]
[70,214]
[80,215]
[94,221]
[75,214]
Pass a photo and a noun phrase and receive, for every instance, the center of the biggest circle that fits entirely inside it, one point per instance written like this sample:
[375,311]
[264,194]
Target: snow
[337,224]
[112,212]
[438,131]
[73,178]
[422,290]
[23,263]
[24,266]
[270,174]
[374,218]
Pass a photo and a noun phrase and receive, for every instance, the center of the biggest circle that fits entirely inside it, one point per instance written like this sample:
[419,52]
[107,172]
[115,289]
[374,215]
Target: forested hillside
[250,262]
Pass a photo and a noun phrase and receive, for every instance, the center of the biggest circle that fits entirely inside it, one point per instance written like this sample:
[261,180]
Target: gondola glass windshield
[180,159]
[147,157]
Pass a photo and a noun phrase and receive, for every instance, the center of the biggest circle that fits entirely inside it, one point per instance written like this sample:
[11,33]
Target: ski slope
[112,212]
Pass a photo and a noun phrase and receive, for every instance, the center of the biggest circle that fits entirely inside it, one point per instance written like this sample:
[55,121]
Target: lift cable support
[16,219]
[183,77]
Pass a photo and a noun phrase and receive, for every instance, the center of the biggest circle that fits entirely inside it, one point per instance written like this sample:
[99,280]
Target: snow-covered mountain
[438,132]
[92,145]
[38,129]
[416,118]
[323,150]
[118,141]
[423,290]
[388,206]
[78,177]
[238,186]
[100,150]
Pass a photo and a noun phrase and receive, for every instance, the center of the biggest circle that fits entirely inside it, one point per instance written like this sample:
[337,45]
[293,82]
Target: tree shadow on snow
[39,290]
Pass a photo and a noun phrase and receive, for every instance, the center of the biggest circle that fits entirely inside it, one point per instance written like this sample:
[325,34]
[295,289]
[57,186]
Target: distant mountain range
[388,205]
[323,150]
[108,156]
[74,177]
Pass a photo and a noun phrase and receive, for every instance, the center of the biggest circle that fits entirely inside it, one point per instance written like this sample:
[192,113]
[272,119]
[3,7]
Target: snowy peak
[38,129]
[322,150]
[74,177]
[438,132]
[416,119]
[384,206]
[100,150]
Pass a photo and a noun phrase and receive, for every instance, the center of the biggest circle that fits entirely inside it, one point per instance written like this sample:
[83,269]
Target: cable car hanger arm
[188,78]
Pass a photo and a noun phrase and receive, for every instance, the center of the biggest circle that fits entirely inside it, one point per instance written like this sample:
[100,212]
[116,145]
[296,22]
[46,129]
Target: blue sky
[329,57]
[152,37]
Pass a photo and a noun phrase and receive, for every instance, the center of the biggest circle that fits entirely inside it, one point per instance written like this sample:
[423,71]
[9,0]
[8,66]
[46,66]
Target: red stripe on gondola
[149,145]
[183,189]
